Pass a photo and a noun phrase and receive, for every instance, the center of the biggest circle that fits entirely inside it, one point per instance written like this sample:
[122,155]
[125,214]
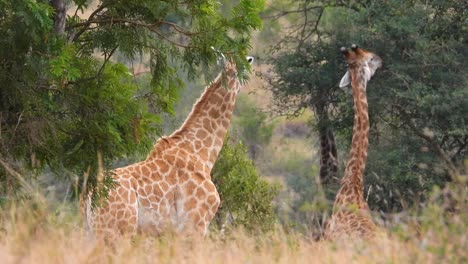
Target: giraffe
[172,188]
[351,215]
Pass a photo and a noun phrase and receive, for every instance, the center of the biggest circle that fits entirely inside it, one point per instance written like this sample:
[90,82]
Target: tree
[418,99]
[64,101]
[254,131]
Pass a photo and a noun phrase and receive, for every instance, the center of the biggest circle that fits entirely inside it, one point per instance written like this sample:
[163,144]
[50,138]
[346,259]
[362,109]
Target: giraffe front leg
[200,207]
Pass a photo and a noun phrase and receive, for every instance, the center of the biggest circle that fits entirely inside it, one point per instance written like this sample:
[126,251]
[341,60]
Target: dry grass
[34,233]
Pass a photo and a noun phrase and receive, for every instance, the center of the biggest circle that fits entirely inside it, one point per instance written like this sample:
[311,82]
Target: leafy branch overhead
[65,97]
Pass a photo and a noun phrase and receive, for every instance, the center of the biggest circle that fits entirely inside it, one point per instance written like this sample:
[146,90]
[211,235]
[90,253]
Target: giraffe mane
[199,105]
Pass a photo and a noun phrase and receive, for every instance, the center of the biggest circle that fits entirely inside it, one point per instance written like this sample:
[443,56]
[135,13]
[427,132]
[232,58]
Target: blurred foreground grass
[35,230]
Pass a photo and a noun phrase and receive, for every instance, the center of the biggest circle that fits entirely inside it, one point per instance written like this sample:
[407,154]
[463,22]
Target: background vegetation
[88,79]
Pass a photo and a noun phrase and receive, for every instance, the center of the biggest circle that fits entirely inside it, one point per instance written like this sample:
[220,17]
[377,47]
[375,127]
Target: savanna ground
[36,231]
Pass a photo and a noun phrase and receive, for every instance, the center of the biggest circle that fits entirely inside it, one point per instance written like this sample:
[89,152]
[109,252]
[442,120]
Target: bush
[246,199]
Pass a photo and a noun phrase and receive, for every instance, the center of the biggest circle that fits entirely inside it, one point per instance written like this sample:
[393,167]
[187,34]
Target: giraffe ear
[346,80]
[368,72]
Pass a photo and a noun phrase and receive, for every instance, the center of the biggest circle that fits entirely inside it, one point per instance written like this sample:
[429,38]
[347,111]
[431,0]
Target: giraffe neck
[204,130]
[351,191]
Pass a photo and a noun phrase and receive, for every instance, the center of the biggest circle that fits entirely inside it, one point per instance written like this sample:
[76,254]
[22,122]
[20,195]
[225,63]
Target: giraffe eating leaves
[351,216]
[172,188]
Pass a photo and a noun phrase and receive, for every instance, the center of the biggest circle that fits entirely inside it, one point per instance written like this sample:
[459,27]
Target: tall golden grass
[36,231]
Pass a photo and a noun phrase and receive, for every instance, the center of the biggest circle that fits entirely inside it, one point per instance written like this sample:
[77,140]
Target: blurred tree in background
[417,102]
[253,128]
[64,100]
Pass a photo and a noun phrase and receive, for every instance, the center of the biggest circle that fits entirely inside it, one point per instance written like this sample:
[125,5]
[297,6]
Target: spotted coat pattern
[172,189]
[351,215]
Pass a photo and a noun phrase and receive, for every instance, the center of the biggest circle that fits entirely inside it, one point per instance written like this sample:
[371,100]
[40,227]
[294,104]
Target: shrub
[246,198]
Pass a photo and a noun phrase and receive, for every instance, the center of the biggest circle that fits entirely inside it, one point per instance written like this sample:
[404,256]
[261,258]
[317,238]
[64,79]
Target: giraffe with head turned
[172,189]
[351,215]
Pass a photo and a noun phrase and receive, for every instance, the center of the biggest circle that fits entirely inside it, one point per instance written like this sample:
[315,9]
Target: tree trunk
[60,16]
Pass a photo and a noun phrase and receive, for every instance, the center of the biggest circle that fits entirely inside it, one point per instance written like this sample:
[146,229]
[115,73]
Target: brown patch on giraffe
[170,158]
[125,175]
[198,145]
[120,214]
[180,163]
[152,166]
[209,186]
[112,222]
[144,202]
[148,189]
[195,216]
[122,225]
[208,217]
[125,184]
[213,154]
[120,206]
[124,194]
[214,113]
[189,187]
[183,153]
[208,142]
[213,125]
[134,183]
[186,146]
[164,186]
[203,153]
[200,193]
[223,108]
[141,192]
[198,167]
[201,134]
[133,197]
[205,207]
[218,142]
[157,191]
[207,124]
[153,198]
[190,166]
[163,166]
[211,199]
[145,170]
[171,179]
[183,176]
[190,204]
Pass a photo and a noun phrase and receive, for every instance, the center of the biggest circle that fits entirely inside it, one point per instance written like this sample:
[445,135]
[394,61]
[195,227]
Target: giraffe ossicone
[172,189]
[351,215]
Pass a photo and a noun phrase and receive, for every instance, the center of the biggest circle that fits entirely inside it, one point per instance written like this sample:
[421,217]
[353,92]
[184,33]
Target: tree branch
[60,16]
[151,27]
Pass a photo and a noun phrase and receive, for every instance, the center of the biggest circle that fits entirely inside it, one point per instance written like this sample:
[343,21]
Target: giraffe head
[230,66]
[359,59]
[230,70]
[227,63]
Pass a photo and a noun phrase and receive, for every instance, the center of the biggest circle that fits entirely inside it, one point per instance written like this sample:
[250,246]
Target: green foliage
[246,198]
[253,128]
[306,205]
[63,97]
